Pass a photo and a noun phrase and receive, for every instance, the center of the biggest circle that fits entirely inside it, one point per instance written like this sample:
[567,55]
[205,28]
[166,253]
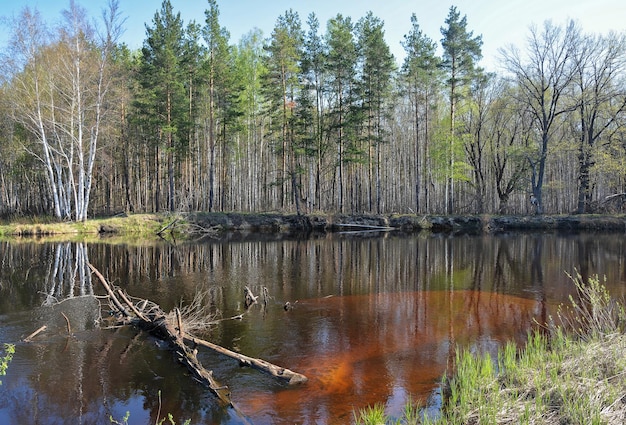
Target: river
[371,319]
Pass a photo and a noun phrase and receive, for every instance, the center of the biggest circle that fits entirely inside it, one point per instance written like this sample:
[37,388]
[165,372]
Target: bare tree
[507,132]
[601,102]
[544,75]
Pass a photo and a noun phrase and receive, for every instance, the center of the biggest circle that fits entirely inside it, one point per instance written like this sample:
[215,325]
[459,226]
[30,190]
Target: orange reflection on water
[384,348]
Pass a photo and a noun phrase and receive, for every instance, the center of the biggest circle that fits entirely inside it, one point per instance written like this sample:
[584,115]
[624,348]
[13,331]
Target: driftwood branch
[279,372]
[67,321]
[250,298]
[173,332]
[31,336]
[179,321]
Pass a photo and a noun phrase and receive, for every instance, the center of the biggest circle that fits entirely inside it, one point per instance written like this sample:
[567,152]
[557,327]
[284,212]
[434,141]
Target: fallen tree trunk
[159,326]
[365,226]
[282,373]
[156,323]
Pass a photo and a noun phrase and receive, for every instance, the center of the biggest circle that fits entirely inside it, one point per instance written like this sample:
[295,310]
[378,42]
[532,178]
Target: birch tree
[60,81]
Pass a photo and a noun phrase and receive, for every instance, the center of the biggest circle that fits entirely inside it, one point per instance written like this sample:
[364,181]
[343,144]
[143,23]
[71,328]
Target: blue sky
[500,22]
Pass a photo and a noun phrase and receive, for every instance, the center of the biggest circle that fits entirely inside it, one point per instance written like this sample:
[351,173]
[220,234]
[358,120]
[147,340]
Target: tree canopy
[311,117]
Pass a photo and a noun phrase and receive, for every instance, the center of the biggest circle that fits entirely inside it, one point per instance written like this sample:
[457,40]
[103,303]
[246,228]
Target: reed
[572,370]
[372,415]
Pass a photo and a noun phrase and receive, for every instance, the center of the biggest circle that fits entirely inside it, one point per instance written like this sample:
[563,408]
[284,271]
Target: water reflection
[375,319]
[364,349]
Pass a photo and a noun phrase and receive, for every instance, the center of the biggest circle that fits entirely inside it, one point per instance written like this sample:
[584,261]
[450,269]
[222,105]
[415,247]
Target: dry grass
[197,316]
[135,224]
[572,371]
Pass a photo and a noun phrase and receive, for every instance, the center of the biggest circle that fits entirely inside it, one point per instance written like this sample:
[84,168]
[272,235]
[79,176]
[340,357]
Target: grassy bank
[144,225]
[573,371]
[204,223]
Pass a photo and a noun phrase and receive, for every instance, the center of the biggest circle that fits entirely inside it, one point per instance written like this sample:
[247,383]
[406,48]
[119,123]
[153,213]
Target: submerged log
[157,324]
[279,372]
[249,297]
[161,327]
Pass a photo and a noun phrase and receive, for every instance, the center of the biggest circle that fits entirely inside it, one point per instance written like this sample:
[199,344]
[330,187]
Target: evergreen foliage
[308,119]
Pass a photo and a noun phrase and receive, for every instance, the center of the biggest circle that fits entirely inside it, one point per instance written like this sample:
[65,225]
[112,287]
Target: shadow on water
[375,320]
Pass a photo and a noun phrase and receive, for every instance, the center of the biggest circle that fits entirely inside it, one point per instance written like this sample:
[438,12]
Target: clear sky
[500,22]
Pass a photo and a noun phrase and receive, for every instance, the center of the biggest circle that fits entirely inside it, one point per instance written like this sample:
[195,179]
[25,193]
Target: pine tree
[283,85]
[344,119]
[461,52]
[377,70]
[314,75]
[163,78]
[421,79]
[217,73]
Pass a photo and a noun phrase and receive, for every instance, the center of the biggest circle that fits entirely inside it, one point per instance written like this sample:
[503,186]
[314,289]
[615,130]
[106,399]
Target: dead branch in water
[158,325]
[67,321]
[107,287]
[156,322]
[250,298]
[31,336]
[281,373]
[197,315]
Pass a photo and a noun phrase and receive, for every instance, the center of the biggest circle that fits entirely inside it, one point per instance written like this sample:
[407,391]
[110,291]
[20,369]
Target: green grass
[142,225]
[571,371]
[9,350]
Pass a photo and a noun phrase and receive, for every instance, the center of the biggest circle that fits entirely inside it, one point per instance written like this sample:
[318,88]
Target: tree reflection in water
[398,308]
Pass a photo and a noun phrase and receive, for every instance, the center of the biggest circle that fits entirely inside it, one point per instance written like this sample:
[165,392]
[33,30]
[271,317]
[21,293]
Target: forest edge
[216,224]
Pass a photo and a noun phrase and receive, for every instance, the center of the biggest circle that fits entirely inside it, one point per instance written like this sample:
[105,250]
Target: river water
[373,319]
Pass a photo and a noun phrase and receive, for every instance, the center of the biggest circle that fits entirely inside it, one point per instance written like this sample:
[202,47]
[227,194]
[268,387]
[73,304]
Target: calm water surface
[375,320]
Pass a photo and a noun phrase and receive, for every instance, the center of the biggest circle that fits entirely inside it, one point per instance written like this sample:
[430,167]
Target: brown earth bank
[277,225]
[286,223]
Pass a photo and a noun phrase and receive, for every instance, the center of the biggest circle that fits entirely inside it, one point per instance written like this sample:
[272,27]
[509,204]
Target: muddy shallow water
[374,320]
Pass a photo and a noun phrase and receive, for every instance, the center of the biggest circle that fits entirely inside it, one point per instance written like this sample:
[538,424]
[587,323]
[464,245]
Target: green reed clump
[573,370]
[594,312]
[371,415]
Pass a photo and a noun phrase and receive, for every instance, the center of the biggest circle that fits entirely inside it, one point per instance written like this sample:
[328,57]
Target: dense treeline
[307,119]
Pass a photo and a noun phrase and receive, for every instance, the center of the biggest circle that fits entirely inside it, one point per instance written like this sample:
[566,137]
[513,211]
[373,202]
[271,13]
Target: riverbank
[571,370]
[152,225]
[408,223]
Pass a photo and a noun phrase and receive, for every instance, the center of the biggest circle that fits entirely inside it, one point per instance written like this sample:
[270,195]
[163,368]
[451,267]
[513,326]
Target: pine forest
[313,117]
